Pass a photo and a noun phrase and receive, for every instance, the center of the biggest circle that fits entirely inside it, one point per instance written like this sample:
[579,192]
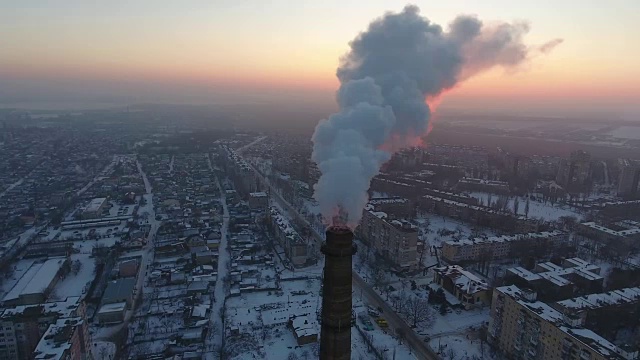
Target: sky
[222,51]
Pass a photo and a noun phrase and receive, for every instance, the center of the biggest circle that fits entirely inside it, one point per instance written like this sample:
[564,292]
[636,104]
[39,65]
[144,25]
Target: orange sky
[295,47]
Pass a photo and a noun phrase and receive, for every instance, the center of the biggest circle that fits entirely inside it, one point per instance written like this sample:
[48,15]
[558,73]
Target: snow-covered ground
[79,279]
[103,350]
[10,279]
[437,229]
[537,209]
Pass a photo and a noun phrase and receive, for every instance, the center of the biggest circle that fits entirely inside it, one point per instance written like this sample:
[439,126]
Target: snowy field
[437,229]
[10,278]
[626,132]
[538,210]
[77,282]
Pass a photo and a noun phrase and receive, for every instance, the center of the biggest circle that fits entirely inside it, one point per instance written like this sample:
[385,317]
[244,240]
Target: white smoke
[391,68]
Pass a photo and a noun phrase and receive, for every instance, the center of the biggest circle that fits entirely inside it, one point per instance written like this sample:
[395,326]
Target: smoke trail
[391,68]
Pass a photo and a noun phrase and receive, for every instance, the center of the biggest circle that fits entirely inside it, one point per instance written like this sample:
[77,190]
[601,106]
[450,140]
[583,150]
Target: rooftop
[36,279]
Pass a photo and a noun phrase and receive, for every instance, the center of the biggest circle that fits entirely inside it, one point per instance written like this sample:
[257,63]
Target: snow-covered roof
[108,308]
[56,341]
[505,238]
[547,313]
[464,280]
[36,279]
[609,298]
[64,308]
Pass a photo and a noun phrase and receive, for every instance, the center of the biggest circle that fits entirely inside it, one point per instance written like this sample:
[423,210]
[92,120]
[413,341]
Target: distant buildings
[627,232]
[575,172]
[395,240]
[258,200]
[94,209]
[239,170]
[629,178]
[491,186]
[524,328]
[476,214]
[501,247]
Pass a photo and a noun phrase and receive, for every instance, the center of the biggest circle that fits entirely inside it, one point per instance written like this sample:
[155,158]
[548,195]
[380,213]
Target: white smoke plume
[401,59]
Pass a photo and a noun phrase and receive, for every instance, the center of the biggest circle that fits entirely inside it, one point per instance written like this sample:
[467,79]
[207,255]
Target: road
[214,341]
[11,187]
[606,174]
[421,350]
[103,172]
[243,148]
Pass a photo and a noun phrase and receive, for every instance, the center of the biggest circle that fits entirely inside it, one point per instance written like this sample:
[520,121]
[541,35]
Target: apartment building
[465,210]
[240,171]
[524,328]
[623,231]
[22,326]
[66,339]
[605,313]
[295,247]
[500,247]
[629,177]
[396,240]
[399,207]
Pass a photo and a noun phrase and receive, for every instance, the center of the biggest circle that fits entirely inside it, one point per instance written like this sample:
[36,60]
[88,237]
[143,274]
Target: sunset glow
[292,47]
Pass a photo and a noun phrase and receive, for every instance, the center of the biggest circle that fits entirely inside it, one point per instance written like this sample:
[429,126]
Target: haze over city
[202,52]
[241,180]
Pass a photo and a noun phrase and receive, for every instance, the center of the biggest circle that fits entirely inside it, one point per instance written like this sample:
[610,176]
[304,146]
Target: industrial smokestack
[335,336]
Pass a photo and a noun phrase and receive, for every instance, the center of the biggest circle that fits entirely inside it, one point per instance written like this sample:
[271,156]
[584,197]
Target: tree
[526,208]
[443,308]
[418,309]
[377,277]
[76,266]
[516,206]
[103,352]
[451,354]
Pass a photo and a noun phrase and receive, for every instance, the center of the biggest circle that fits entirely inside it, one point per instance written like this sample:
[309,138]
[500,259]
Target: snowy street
[216,334]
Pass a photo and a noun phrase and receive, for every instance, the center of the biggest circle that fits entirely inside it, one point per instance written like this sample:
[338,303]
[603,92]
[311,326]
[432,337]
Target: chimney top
[338,229]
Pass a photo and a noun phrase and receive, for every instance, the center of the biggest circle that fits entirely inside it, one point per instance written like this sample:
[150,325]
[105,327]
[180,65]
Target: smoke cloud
[401,59]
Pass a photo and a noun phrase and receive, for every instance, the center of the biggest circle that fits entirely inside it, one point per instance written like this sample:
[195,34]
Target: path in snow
[147,254]
[243,148]
[100,174]
[11,187]
[215,339]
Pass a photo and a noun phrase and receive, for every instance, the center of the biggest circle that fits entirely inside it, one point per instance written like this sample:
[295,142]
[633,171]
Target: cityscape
[383,226]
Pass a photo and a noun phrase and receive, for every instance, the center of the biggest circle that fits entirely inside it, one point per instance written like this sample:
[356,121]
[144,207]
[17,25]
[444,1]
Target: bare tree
[377,277]
[76,266]
[451,354]
[103,352]
[418,309]
[526,208]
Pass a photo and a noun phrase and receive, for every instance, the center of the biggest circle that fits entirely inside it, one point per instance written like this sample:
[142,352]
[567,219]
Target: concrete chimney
[335,336]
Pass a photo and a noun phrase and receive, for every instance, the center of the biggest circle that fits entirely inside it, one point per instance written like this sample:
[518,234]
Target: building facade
[523,328]
[629,178]
[395,240]
[500,247]
[470,290]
